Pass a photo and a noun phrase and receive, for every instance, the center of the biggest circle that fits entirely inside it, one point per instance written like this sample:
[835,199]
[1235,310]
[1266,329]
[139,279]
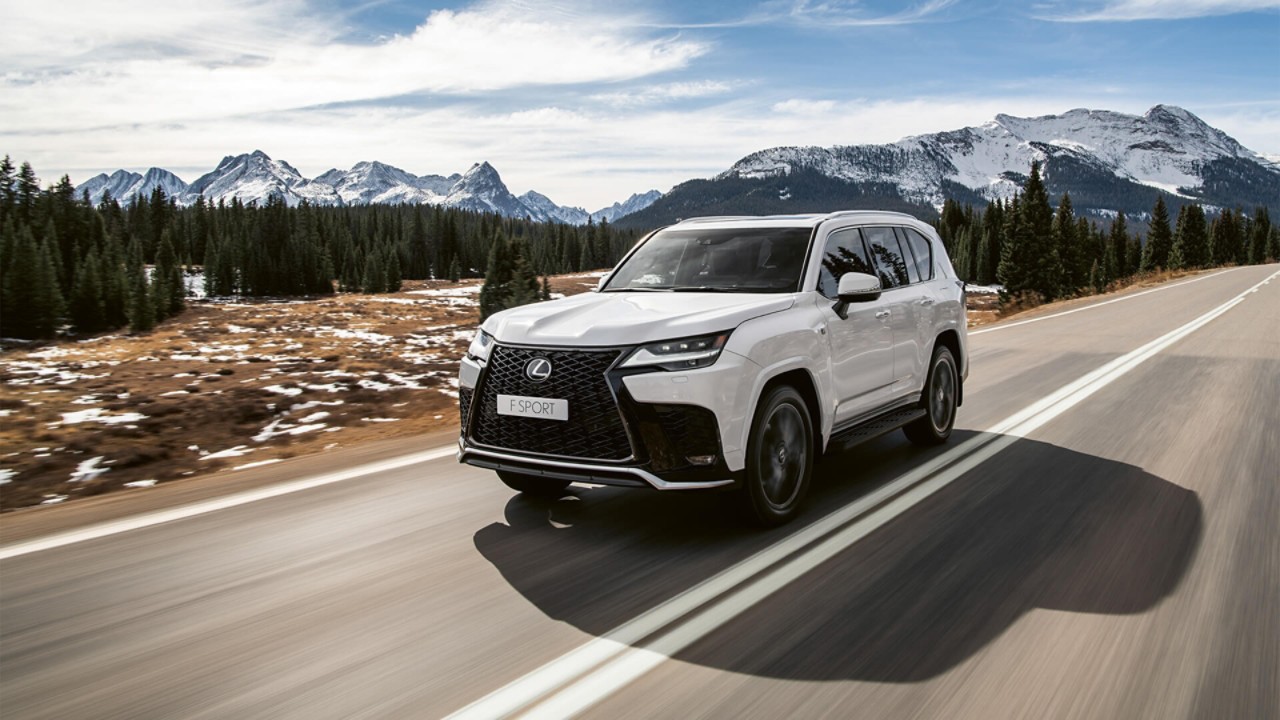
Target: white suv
[724,352]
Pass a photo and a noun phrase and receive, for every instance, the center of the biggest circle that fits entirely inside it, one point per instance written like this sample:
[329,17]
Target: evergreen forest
[67,264]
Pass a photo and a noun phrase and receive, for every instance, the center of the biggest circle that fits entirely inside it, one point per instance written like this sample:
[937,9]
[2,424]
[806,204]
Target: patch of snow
[7,475]
[53,499]
[236,451]
[380,420]
[283,390]
[140,484]
[98,415]
[88,469]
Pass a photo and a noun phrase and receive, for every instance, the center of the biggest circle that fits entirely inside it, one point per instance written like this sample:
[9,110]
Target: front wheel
[941,391]
[780,453]
[533,485]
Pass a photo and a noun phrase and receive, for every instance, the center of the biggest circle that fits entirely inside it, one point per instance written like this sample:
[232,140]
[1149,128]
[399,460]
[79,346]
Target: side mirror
[855,288]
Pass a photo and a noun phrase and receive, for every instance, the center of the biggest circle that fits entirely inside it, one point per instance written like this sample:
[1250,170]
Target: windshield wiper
[647,288]
[703,288]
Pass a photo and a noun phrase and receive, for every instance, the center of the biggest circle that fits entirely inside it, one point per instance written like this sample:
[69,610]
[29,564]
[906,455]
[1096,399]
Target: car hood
[612,319]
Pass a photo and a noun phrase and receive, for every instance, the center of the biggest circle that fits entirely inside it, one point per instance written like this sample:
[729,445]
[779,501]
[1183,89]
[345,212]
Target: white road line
[114,527]
[618,659]
[1097,305]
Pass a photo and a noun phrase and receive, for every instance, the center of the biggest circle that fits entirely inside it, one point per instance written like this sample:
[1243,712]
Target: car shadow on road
[1038,526]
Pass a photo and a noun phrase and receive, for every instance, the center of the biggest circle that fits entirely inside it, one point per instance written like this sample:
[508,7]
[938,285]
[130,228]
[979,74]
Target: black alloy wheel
[941,392]
[780,453]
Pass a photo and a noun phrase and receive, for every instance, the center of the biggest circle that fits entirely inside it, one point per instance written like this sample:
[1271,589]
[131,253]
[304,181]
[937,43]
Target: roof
[799,220]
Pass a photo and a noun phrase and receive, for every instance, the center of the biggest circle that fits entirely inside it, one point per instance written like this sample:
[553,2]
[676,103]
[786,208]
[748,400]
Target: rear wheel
[779,458]
[533,485]
[941,392]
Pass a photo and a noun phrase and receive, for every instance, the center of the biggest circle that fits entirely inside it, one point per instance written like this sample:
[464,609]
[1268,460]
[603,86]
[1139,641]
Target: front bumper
[675,437]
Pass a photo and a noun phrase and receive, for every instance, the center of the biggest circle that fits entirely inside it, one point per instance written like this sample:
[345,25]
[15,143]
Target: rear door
[897,270]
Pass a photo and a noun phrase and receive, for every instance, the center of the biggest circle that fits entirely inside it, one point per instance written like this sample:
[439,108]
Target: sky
[590,101]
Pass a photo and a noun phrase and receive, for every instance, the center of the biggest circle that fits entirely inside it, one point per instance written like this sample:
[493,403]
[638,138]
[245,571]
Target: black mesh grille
[594,429]
[691,430]
[464,406]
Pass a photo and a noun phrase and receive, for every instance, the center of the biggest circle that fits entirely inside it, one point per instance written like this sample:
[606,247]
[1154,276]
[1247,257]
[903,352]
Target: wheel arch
[802,380]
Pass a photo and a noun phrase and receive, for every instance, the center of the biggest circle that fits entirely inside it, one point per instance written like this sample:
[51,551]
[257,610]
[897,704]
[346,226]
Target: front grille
[594,429]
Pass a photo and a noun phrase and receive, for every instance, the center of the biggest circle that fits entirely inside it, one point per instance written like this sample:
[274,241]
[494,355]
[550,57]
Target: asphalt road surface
[1098,540]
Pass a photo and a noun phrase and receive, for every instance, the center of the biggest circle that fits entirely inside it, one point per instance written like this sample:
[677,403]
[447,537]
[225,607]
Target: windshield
[750,260]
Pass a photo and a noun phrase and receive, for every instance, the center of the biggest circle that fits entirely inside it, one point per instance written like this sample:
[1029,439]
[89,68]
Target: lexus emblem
[538,369]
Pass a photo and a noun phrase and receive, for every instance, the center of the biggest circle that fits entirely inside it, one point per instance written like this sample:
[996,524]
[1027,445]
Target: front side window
[843,253]
[689,259]
[891,266]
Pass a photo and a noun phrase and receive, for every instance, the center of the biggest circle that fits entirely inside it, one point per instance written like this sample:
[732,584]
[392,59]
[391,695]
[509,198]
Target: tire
[533,485]
[941,391]
[780,458]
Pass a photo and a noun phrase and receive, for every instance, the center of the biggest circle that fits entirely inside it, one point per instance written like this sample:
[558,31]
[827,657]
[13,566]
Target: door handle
[882,313]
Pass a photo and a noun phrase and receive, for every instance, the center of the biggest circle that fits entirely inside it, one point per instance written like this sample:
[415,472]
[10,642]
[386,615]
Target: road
[1097,541]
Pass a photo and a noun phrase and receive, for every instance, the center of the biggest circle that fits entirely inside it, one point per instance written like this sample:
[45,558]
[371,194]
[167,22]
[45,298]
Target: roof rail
[853,213]
[715,218]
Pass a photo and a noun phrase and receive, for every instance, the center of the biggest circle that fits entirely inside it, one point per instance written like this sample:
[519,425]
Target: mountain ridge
[1108,161]
[255,177]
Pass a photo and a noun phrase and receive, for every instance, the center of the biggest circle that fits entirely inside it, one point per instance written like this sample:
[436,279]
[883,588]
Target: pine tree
[1224,248]
[87,301]
[546,288]
[21,288]
[47,307]
[169,290]
[1064,237]
[1159,238]
[1133,254]
[142,311]
[495,294]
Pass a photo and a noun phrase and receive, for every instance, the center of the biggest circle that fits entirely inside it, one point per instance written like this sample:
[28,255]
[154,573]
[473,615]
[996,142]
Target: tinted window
[844,253]
[891,267]
[922,249]
[912,272]
[721,260]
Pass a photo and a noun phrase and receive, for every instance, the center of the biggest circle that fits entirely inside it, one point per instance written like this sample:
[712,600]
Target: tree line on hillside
[65,261]
[1040,253]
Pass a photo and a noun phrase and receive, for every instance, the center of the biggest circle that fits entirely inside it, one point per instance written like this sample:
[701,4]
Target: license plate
[545,408]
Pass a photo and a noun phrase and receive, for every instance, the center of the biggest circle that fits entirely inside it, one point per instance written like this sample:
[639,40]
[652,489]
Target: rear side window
[843,253]
[891,266]
[922,249]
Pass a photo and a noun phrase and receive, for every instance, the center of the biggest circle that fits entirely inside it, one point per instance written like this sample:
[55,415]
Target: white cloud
[797,106]
[655,94]
[145,73]
[1126,10]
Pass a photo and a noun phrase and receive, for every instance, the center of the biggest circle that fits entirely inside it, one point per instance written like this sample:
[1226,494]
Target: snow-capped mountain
[255,177]
[542,208]
[124,186]
[635,203]
[1106,160]
[378,183]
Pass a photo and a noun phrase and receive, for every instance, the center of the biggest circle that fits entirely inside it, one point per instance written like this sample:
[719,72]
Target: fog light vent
[701,459]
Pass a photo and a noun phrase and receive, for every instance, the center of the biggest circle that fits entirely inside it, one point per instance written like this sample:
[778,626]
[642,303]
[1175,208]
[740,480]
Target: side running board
[874,428]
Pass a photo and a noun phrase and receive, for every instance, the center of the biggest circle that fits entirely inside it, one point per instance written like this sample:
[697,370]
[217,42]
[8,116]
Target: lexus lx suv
[724,352]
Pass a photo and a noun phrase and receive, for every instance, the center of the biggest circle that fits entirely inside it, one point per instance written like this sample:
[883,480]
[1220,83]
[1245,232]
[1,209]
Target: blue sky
[586,101]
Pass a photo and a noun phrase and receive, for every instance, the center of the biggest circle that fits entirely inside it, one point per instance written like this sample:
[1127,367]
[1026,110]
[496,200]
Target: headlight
[682,354]
[480,347]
